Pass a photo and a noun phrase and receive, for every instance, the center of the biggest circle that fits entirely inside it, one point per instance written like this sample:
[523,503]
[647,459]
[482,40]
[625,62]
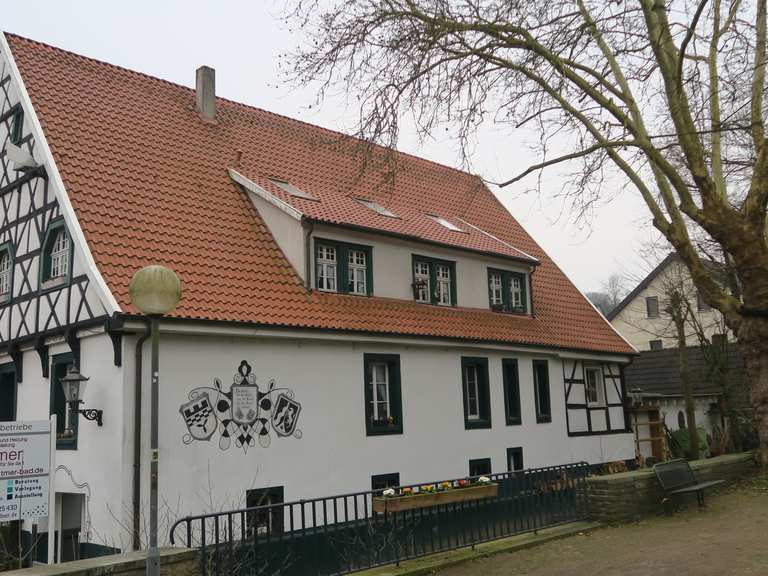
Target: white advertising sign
[25,460]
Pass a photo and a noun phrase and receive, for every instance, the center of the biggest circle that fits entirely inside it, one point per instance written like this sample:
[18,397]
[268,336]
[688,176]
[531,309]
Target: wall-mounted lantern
[74,389]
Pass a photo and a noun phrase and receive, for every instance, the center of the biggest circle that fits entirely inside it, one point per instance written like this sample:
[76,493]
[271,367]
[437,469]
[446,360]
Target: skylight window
[378,208]
[291,189]
[445,223]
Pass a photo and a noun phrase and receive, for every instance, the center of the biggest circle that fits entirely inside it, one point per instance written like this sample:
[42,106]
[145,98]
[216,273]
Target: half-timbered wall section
[29,215]
[594,398]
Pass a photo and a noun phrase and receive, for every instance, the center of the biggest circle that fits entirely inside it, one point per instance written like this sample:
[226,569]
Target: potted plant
[426,495]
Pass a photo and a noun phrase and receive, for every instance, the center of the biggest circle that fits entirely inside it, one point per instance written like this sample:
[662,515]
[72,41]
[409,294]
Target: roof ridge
[237,103]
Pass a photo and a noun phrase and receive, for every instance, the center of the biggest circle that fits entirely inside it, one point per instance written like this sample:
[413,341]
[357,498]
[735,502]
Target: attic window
[445,223]
[378,208]
[291,189]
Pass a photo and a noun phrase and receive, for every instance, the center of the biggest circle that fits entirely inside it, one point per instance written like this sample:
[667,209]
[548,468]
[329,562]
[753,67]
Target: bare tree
[668,93]
[679,310]
[615,288]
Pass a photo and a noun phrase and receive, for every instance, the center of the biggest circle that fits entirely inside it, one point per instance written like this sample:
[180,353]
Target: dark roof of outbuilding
[658,372]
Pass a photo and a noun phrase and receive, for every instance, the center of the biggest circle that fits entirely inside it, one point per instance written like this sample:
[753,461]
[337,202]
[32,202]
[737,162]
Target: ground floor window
[268,520]
[383,405]
[595,392]
[514,459]
[480,467]
[380,482]
[477,404]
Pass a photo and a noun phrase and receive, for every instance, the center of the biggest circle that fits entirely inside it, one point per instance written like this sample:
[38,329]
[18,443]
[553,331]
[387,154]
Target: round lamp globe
[155,290]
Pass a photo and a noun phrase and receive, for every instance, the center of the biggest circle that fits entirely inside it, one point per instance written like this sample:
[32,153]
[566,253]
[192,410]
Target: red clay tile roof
[149,183]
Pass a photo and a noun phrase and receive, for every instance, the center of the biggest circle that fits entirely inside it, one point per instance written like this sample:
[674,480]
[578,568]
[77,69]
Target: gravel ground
[728,537]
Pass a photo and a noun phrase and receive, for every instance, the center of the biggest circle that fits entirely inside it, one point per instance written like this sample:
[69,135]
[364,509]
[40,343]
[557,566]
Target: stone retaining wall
[629,495]
[174,561]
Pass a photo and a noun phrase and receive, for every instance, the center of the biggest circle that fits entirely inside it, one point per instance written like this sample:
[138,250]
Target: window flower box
[427,498]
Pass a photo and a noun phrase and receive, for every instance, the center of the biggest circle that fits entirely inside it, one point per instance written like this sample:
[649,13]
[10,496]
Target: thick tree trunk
[685,379]
[753,338]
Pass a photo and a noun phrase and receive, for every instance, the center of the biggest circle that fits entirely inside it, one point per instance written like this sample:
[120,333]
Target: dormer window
[434,281]
[341,267]
[57,254]
[6,268]
[507,291]
[291,189]
[378,208]
[445,223]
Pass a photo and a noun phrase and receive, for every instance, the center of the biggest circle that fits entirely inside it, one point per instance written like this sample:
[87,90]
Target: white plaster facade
[632,320]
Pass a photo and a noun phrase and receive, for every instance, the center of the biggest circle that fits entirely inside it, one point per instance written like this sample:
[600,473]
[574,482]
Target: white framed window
[59,264]
[508,291]
[594,390]
[380,391]
[326,268]
[422,281]
[516,291]
[443,274]
[357,269]
[5,275]
[496,287]
[472,390]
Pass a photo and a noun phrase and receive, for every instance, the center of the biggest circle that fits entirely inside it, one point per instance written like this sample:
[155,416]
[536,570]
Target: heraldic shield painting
[246,414]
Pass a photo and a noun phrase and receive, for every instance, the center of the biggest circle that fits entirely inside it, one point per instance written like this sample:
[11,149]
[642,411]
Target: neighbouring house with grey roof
[655,386]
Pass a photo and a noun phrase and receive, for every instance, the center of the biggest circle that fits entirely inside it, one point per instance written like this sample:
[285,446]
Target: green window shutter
[453,283]
[342,268]
[511,391]
[523,292]
[17,127]
[432,282]
[369,271]
[541,391]
[395,395]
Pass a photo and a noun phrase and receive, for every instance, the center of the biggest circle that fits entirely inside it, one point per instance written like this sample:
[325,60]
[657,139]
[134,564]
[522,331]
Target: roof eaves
[254,188]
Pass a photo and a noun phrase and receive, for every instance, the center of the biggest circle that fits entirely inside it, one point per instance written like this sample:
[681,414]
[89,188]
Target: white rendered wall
[334,454]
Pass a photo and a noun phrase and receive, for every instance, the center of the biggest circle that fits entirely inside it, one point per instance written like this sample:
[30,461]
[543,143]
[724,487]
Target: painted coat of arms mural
[245,414]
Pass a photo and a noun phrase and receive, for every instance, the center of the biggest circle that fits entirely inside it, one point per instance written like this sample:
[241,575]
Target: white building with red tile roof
[347,313]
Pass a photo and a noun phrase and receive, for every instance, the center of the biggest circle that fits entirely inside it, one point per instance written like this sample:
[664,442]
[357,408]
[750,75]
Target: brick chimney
[205,93]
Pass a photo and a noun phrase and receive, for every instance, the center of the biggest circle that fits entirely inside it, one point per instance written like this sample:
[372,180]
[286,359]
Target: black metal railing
[342,534]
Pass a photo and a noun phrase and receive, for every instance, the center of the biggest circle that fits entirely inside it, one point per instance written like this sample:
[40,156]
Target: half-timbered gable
[48,288]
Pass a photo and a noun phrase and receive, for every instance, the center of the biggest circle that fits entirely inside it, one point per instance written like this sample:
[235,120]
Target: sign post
[27,453]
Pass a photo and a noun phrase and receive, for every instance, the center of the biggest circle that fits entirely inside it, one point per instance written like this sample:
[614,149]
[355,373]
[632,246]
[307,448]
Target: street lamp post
[155,291]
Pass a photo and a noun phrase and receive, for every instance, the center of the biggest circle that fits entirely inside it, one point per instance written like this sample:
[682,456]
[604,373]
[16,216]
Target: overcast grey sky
[242,40]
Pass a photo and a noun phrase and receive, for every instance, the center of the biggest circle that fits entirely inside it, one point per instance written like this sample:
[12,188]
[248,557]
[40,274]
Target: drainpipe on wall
[308,226]
[138,367]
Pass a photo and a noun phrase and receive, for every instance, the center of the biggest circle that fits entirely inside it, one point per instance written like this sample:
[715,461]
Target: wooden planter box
[427,499]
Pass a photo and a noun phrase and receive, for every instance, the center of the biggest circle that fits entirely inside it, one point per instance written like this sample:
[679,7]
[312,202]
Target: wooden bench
[676,477]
